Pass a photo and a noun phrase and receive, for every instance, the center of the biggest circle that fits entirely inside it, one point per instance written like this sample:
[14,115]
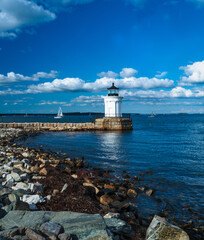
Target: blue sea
[171,146]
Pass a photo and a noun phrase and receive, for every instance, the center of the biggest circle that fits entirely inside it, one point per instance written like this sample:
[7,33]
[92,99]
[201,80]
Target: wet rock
[68,170]
[5,191]
[161,229]
[13,177]
[128,216]
[13,197]
[55,192]
[91,185]
[17,231]
[74,176]
[21,185]
[64,187]
[65,236]
[24,176]
[34,169]
[106,200]
[51,228]
[25,154]
[43,172]
[32,199]
[109,186]
[120,205]
[112,215]
[149,192]
[83,226]
[136,178]
[118,226]
[20,237]
[141,189]
[131,193]
[16,205]
[20,192]
[33,235]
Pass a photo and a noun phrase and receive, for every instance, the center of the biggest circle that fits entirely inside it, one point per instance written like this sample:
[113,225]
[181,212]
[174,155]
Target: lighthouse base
[113,123]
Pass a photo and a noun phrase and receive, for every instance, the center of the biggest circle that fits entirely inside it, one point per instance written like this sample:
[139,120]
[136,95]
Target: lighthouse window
[112,91]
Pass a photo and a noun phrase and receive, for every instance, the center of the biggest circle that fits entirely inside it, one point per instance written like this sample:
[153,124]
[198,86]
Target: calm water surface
[172,146]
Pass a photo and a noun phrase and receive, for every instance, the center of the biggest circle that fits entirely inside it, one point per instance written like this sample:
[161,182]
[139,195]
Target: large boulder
[83,226]
[160,229]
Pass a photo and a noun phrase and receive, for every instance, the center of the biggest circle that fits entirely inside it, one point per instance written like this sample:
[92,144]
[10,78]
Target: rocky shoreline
[34,180]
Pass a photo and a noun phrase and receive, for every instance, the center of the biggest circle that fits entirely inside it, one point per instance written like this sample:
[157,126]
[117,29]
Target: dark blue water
[172,146]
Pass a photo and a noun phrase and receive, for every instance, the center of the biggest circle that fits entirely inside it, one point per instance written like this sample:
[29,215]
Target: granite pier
[102,124]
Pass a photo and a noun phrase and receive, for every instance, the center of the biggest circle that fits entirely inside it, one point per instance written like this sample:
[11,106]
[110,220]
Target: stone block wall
[110,123]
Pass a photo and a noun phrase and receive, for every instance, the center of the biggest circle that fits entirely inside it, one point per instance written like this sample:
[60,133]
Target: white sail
[59,114]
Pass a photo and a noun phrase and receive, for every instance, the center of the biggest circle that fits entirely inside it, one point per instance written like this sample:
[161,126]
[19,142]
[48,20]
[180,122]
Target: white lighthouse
[113,102]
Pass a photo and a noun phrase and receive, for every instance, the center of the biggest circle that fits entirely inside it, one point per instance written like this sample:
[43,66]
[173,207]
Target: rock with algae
[160,229]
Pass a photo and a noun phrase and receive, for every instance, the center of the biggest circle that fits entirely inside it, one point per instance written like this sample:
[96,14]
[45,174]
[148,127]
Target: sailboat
[59,114]
[152,115]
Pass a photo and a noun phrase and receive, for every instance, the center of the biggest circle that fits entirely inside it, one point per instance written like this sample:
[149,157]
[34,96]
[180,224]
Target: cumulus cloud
[15,14]
[12,77]
[177,92]
[194,73]
[128,72]
[79,85]
[108,74]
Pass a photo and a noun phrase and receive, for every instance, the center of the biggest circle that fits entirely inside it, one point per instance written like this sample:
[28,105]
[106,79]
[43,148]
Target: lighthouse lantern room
[113,102]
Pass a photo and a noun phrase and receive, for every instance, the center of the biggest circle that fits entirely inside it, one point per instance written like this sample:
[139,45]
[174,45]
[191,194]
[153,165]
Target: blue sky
[67,52]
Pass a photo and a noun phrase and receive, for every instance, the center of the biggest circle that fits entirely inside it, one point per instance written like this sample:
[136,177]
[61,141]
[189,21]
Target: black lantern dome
[113,90]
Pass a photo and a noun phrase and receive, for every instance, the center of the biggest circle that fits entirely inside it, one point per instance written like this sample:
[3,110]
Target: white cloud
[177,92]
[15,14]
[54,103]
[88,99]
[58,85]
[79,85]
[181,92]
[12,77]
[160,74]
[108,74]
[9,35]
[194,73]
[128,72]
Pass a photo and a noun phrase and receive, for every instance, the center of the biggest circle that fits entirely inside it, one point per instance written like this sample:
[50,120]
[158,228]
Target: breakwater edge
[33,179]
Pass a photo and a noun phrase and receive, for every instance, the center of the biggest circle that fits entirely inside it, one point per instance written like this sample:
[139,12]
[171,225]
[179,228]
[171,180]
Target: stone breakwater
[98,124]
[45,195]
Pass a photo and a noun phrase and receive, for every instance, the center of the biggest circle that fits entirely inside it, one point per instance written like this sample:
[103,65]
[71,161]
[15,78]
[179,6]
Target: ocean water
[171,146]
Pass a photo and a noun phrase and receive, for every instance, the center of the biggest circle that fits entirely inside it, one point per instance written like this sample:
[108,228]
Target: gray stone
[118,226]
[112,215]
[16,205]
[32,199]
[13,197]
[25,154]
[161,229]
[20,192]
[5,191]
[21,185]
[65,236]
[84,226]
[64,187]
[20,237]
[33,235]
[51,228]
[149,192]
